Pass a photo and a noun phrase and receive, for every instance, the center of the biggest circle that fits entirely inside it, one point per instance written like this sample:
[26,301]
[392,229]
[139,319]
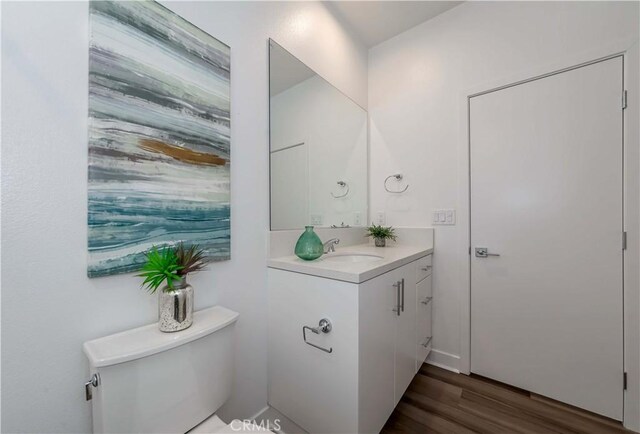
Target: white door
[546,195]
[290,187]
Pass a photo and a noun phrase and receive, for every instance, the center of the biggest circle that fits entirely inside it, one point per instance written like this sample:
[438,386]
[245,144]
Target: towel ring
[398,177]
[342,184]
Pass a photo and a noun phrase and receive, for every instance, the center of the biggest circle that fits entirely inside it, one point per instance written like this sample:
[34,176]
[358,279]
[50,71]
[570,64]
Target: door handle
[402,294]
[483,252]
[397,308]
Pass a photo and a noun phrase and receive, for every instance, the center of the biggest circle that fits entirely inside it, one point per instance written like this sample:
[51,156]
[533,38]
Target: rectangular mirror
[318,148]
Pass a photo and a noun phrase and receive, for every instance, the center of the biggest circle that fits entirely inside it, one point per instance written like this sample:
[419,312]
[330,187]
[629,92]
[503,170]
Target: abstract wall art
[159,136]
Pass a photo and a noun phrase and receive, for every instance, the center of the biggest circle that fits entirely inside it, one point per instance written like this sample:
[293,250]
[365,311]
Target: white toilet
[146,381]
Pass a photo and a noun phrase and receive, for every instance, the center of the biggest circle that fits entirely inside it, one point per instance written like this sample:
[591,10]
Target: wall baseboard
[277,422]
[443,360]
[259,413]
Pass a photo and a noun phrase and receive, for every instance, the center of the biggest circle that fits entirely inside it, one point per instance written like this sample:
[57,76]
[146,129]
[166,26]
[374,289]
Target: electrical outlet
[357,219]
[381,219]
[316,219]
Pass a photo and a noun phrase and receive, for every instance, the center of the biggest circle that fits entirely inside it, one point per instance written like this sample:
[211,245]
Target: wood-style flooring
[439,401]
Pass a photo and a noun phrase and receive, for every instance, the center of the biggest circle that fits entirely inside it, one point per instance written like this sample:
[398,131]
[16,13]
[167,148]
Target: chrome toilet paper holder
[324,326]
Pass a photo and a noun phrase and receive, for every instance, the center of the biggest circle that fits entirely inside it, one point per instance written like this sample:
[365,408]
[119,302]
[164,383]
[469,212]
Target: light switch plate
[449,217]
[444,217]
[357,219]
[316,219]
[381,219]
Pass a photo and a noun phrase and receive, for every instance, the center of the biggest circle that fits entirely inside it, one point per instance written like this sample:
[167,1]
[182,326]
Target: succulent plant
[190,259]
[171,265]
[381,232]
[162,265]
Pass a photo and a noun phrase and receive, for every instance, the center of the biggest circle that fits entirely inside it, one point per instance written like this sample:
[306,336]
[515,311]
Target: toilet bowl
[146,381]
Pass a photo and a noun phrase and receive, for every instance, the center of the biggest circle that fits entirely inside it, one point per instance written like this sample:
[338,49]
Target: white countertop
[393,257]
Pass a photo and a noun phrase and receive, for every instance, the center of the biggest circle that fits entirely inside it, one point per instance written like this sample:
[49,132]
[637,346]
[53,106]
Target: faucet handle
[329,246]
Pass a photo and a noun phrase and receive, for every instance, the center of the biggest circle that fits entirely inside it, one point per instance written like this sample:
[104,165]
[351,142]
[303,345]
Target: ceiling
[376,21]
[285,70]
[372,21]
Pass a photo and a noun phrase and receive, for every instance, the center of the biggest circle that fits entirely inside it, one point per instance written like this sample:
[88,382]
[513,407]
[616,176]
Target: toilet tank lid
[148,340]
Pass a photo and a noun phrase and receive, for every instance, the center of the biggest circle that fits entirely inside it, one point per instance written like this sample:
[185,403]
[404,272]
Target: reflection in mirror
[318,148]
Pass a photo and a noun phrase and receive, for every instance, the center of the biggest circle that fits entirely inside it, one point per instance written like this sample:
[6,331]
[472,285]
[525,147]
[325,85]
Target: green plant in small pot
[381,234]
[169,268]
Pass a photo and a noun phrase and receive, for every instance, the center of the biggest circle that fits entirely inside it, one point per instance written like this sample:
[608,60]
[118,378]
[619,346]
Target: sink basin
[352,258]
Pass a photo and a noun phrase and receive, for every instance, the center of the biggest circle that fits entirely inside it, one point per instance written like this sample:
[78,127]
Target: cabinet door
[377,324]
[305,383]
[406,332]
[424,302]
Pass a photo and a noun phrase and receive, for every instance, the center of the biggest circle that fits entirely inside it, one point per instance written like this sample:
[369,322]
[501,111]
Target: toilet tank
[154,382]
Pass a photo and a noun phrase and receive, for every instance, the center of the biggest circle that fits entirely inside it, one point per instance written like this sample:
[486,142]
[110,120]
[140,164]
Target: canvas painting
[159,136]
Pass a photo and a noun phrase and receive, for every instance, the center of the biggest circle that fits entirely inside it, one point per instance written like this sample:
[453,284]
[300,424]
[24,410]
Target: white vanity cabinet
[377,328]
[424,307]
[387,347]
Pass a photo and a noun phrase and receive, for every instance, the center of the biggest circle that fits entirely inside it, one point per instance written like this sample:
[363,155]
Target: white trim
[284,148]
[631,284]
[632,226]
[268,417]
[444,360]
[258,414]
[568,62]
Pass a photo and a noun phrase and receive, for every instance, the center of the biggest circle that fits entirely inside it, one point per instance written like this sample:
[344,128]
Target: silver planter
[175,307]
[380,242]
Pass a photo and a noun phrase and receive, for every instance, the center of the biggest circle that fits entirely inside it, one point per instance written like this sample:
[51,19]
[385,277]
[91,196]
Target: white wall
[49,306]
[334,130]
[417,84]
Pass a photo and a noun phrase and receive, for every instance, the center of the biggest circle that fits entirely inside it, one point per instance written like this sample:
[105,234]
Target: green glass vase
[309,245]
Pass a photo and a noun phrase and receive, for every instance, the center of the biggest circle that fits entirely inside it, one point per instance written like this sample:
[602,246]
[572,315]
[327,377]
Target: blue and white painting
[159,136]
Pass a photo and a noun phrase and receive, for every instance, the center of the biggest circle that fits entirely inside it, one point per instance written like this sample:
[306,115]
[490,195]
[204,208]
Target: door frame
[630,52]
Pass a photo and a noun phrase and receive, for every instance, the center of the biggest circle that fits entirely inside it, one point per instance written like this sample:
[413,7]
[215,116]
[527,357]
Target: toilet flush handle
[94,381]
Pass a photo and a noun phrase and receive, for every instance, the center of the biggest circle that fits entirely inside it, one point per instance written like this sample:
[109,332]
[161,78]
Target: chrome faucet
[330,246]
[341,226]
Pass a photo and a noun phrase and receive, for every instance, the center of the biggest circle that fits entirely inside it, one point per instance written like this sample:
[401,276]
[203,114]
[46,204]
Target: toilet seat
[214,425]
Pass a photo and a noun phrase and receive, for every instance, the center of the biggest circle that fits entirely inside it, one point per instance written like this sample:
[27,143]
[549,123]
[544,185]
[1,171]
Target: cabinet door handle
[402,294]
[426,343]
[397,308]
[427,268]
[426,300]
